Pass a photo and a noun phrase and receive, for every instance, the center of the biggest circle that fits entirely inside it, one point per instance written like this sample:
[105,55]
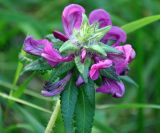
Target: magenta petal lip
[60,36]
[94,71]
[100,16]
[116,34]
[72,18]
[121,62]
[33,46]
[53,56]
[113,87]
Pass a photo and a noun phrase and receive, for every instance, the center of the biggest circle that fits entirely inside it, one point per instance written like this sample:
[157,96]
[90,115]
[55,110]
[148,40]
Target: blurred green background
[19,18]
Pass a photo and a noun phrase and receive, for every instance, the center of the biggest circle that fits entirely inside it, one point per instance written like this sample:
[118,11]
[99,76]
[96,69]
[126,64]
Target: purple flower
[81,33]
[35,47]
[94,71]
[72,18]
[116,88]
[52,89]
[103,18]
[121,61]
[53,56]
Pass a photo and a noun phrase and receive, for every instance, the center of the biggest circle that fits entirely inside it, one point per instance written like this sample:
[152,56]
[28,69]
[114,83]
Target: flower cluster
[92,38]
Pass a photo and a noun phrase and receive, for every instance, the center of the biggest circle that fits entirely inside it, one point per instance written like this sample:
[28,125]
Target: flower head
[87,38]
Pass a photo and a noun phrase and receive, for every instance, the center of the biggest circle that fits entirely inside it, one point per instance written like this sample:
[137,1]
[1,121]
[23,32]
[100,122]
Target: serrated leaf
[85,108]
[129,80]
[90,91]
[37,65]
[109,49]
[24,59]
[85,23]
[110,73]
[83,68]
[99,33]
[68,46]
[98,49]
[68,103]
[61,69]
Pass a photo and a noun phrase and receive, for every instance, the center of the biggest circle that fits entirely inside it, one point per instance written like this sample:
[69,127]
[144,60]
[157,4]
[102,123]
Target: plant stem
[53,118]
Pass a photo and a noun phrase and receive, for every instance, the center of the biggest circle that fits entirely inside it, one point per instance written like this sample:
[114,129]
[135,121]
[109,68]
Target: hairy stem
[53,118]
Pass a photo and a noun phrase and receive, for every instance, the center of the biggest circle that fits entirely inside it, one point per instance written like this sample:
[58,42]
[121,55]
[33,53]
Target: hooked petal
[116,34]
[121,61]
[60,36]
[35,47]
[94,71]
[113,87]
[72,18]
[100,16]
[53,56]
[128,52]
[51,89]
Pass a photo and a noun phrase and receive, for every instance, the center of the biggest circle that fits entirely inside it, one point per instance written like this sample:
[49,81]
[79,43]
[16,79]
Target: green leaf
[129,106]
[22,87]
[68,47]
[85,108]
[68,102]
[85,23]
[1,120]
[61,69]
[109,49]
[13,127]
[36,125]
[83,68]
[129,80]
[28,92]
[3,95]
[37,65]
[110,73]
[99,33]
[56,42]
[97,48]
[132,26]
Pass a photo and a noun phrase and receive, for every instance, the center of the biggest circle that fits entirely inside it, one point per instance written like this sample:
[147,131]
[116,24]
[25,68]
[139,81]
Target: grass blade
[129,106]
[132,26]
[24,102]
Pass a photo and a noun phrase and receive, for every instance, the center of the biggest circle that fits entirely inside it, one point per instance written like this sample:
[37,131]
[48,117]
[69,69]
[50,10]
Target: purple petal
[60,36]
[100,16]
[72,18]
[116,34]
[83,54]
[53,56]
[113,87]
[94,71]
[128,52]
[51,89]
[35,47]
[79,81]
[121,62]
